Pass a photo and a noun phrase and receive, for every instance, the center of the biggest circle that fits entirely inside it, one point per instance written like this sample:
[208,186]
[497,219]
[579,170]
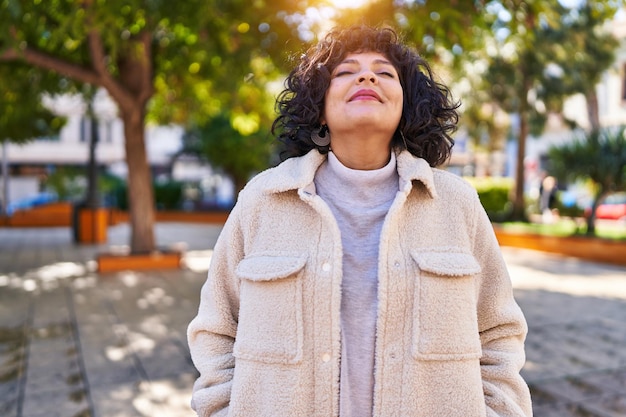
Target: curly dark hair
[429,114]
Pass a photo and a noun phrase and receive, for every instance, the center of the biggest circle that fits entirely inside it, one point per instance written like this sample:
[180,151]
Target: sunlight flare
[348,4]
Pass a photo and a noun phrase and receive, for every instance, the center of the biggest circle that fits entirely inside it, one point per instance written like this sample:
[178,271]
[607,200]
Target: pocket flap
[269,267]
[450,263]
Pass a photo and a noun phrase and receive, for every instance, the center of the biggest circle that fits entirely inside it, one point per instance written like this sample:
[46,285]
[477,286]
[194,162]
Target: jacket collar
[297,173]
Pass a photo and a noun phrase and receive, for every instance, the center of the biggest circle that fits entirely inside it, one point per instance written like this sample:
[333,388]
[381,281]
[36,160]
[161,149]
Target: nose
[367,76]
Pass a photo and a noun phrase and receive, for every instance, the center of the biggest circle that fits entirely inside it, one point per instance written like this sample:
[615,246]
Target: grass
[566,226]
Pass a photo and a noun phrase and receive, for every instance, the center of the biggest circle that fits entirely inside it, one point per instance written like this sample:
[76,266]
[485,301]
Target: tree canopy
[529,69]
[159,60]
[22,113]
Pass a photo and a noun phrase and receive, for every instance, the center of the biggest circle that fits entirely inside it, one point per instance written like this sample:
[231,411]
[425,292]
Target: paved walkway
[74,343]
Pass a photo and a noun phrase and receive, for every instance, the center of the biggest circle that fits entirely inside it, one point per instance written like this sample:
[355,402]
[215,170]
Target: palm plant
[600,156]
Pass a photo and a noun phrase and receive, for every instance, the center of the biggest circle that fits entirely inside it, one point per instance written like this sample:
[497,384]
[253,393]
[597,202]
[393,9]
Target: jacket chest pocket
[270,312]
[445,323]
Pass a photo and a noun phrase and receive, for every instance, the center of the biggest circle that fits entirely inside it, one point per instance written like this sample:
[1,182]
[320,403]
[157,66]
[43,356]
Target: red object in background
[612,208]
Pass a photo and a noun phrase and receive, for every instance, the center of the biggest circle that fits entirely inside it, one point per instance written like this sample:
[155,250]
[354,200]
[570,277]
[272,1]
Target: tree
[224,147]
[22,114]
[519,63]
[600,156]
[158,60]
[583,51]
[440,31]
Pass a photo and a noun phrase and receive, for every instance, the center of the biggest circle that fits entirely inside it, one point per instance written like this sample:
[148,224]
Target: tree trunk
[140,191]
[5,178]
[519,205]
[524,72]
[591,220]
[593,110]
[132,93]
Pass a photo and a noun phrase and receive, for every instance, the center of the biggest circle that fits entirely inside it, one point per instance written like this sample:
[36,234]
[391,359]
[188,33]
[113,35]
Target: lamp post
[93,198]
[5,179]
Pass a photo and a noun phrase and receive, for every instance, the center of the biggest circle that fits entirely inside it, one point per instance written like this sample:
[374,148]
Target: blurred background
[129,126]
[137,107]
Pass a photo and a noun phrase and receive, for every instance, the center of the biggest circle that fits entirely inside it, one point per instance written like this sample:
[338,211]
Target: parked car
[30,202]
[612,208]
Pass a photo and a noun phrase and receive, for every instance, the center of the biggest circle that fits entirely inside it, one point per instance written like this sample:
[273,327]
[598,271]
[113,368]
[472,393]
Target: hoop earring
[322,137]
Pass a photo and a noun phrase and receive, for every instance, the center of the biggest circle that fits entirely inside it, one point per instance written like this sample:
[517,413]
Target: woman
[355,279]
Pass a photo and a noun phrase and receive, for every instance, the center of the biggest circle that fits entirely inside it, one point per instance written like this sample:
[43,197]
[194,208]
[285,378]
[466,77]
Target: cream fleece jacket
[449,337]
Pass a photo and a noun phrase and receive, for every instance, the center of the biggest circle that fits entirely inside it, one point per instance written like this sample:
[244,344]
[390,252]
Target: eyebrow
[376,61]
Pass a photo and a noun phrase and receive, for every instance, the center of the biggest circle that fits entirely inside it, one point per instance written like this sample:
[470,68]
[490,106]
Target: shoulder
[291,174]
[450,185]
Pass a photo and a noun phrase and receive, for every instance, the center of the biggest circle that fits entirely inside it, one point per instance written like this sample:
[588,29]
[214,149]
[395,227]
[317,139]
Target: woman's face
[364,96]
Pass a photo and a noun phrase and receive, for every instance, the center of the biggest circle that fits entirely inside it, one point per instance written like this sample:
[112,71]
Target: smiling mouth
[365,95]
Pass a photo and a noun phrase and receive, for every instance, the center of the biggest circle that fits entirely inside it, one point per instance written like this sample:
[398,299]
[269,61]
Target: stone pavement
[576,345]
[74,343]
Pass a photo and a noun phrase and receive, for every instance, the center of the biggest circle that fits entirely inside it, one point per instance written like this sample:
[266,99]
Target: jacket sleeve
[211,334]
[502,328]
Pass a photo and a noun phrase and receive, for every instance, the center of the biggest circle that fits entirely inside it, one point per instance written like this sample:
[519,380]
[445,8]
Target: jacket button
[397,264]
[326,267]
[326,357]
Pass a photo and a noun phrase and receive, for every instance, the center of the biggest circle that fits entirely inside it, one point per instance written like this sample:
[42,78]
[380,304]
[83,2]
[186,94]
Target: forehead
[358,57]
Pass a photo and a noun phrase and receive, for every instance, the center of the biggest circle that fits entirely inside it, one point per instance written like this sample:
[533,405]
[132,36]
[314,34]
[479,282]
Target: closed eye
[387,74]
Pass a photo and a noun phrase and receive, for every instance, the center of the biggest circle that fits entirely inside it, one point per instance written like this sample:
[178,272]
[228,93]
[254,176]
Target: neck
[362,153]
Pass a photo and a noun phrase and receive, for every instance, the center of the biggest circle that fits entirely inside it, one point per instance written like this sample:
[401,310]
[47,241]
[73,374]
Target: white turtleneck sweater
[359,200]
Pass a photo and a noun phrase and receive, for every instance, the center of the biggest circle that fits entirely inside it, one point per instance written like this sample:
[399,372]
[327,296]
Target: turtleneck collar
[359,187]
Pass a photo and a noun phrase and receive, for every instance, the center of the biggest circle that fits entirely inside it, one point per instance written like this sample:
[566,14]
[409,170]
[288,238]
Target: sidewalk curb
[587,248]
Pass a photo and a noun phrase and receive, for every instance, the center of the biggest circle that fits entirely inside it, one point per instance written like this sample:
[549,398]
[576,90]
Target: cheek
[399,98]
[398,108]
[332,99]
[399,92]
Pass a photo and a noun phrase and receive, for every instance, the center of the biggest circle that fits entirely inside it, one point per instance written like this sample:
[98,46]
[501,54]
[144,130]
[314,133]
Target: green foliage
[529,60]
[208,63]
[22,114]
[494,195]
[440,32]
[574,211]
[68,183]
[239,153]
[563,227]
[168,195]
[599,156]
[201,50]
[551,50]
[161,61]
[568,211]
[581,48]
[108,183]
[119,196]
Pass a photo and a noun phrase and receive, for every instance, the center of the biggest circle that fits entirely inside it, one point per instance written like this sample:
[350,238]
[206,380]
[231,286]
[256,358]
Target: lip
[365,94]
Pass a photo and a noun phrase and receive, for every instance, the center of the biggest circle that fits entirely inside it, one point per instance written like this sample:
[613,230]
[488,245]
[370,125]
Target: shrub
[494,195]
[68,183]
[167,195]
